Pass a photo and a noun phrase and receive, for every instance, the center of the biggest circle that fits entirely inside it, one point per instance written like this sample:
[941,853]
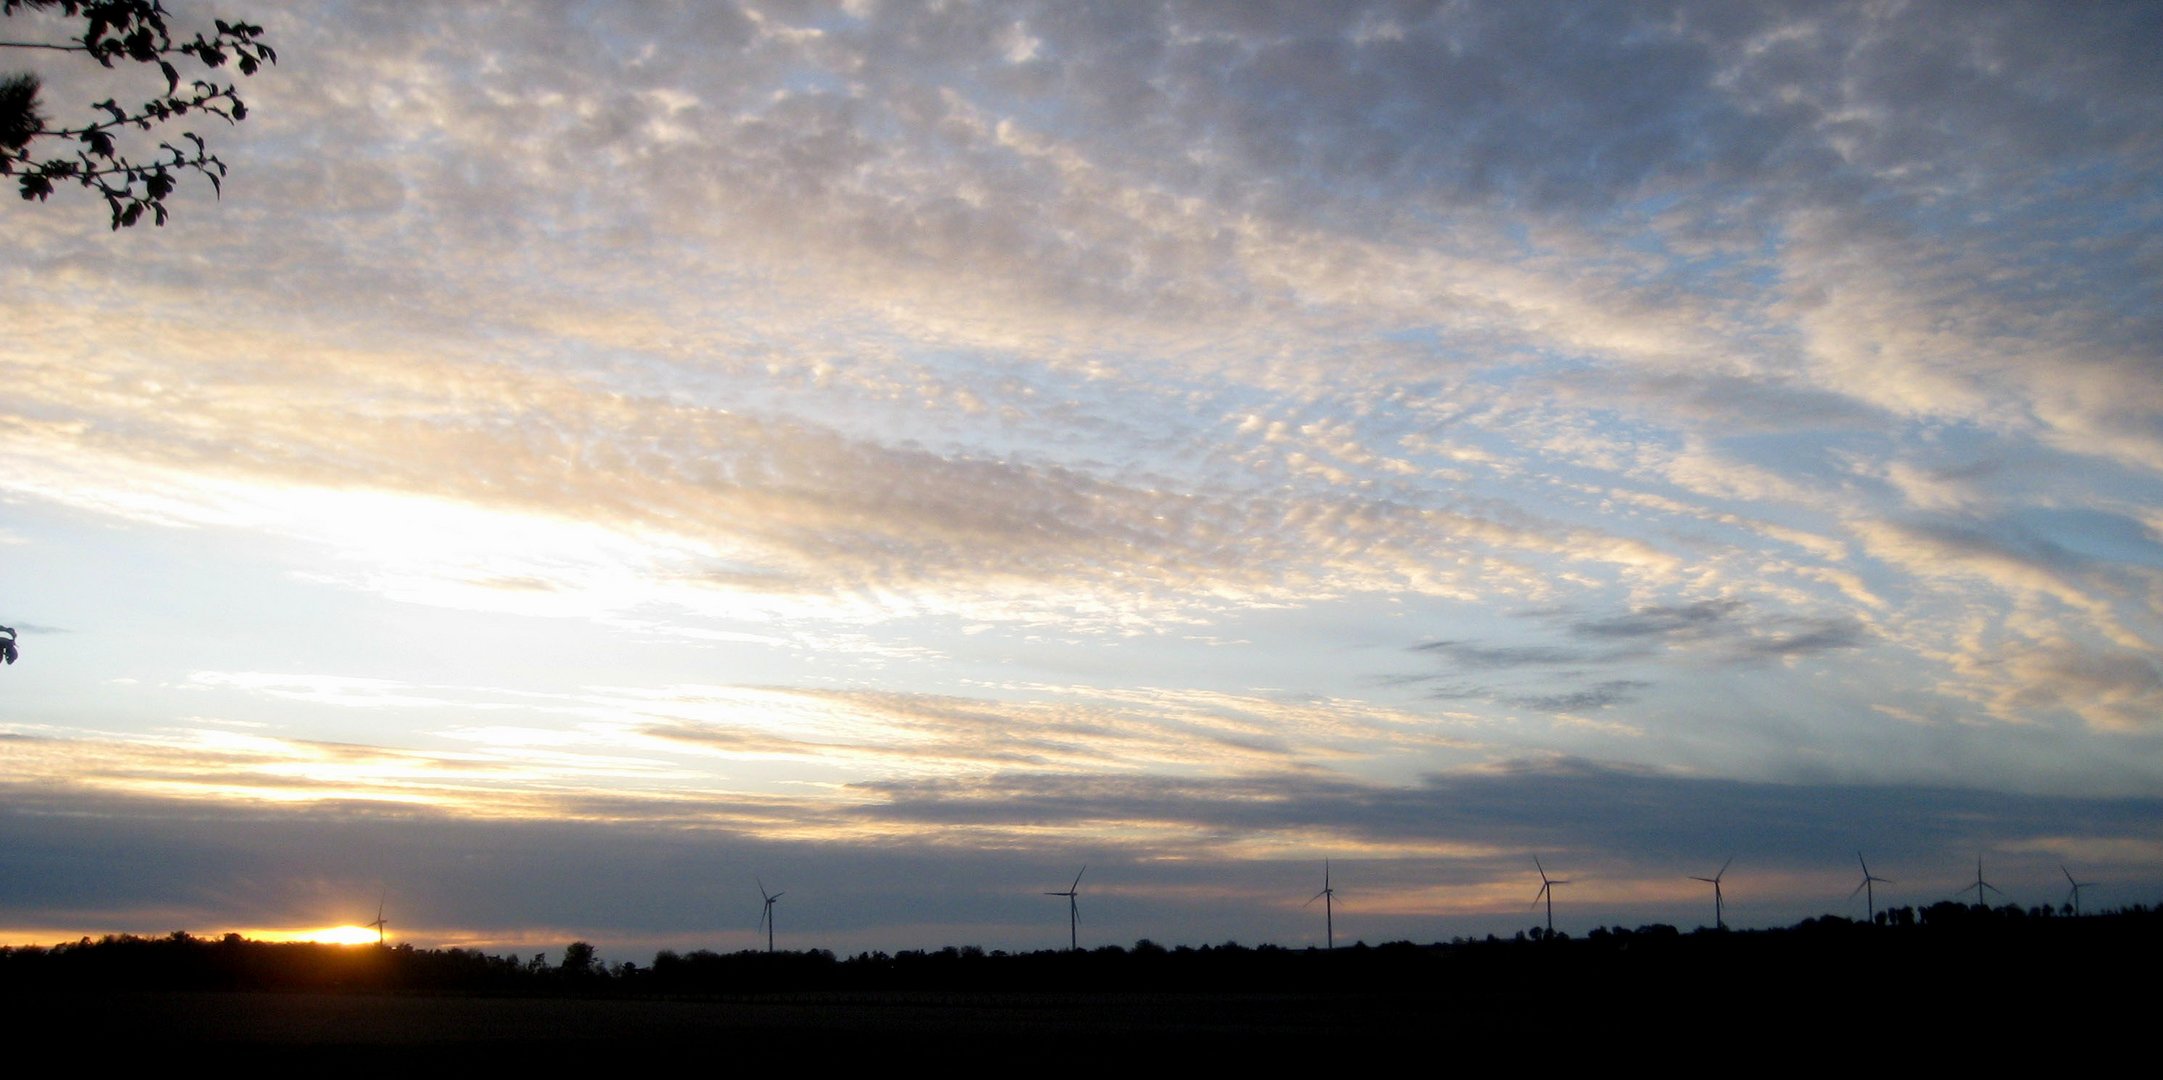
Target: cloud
[1725,630]
[1597,696]
[942,858]
[1470,654]
[1058,728]
[1802,637]
[1730,628]
[2010,561]
[1689,620]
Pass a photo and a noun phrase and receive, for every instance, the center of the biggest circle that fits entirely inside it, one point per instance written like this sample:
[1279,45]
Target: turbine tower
[1073,912]
[1980,885]
[381,922]
[2074,895]
[1719,922]
[1870,895]
[1328,897]
[766,915]
[1547,892]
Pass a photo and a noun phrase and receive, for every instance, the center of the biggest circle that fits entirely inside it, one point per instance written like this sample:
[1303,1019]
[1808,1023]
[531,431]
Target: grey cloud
[1472,654]
[1728,627]
[1598,696]
[653,877]
[1496,103]
[1573,804]
[1762,402]
[1800,637]
[1480,100]
[2047,539]
[1661,621]
[1509,100]
[1724,630]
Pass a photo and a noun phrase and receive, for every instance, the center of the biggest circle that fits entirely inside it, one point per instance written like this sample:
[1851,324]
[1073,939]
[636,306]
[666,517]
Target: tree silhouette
[40,156]
[7,644]
[580,960]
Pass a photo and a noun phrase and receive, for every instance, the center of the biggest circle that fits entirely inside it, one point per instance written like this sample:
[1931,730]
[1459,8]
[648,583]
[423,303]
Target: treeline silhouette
[1608,968]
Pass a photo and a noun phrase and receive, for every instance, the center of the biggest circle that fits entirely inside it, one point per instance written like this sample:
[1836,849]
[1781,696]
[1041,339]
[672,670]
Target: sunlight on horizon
[333,935]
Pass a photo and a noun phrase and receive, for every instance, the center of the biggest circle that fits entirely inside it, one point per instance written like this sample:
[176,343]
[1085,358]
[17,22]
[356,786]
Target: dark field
[366,1029]
[1962,986]
[370,1019]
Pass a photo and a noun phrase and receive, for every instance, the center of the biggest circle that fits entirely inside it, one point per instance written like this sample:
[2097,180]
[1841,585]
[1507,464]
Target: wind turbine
[1073,912]
[1328,897]
[380,922]
[1718,922]
[1547,892]
[1980,885]
[766,915]
[1870,895]
[2077,887]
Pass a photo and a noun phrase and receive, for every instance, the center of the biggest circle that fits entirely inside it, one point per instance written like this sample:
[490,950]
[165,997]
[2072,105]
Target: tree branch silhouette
[134,31]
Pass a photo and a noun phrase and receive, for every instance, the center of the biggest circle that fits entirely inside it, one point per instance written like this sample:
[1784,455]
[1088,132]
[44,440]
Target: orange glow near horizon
[331,935]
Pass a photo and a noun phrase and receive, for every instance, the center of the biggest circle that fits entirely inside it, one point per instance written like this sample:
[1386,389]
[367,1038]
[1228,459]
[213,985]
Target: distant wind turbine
[1870,895]
[380,922]
[1073,911]
[1547,892]
[766,914]
[2074,895]
[1328,897]
[1719,922]
[1980,885]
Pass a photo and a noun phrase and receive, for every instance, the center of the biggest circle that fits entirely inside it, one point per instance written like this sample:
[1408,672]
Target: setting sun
[334,935]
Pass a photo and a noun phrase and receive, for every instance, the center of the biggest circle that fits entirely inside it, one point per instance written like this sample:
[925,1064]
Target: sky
[593,461]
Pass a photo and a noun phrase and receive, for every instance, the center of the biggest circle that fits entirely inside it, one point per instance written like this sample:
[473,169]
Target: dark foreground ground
[1962,988]
[1888,1018]
[807,1025]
